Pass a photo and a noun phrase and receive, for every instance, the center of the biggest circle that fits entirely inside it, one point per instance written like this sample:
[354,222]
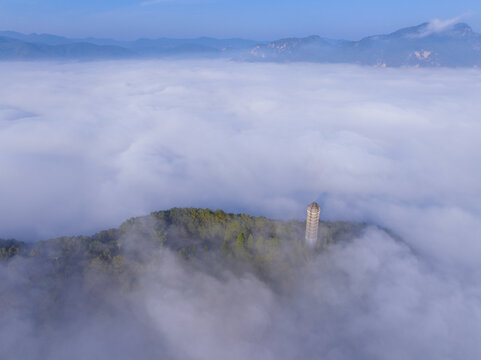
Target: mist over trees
[259,244]
[202,284]
[63,281]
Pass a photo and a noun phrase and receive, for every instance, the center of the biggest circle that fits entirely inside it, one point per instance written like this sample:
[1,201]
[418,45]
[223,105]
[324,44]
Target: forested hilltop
[192,233]
[204,240]
[200,236]
[69,283]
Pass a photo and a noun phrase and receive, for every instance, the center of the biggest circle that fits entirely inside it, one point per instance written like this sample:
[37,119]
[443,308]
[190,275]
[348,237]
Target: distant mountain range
[419,46]
[18,46]
[455,46]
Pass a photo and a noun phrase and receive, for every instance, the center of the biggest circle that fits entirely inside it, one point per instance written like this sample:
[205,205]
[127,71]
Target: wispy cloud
[438,25]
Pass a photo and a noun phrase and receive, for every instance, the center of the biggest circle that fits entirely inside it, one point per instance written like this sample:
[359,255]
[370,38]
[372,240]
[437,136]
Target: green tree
[240,247]
[250,243]
[260,244]
[226,250]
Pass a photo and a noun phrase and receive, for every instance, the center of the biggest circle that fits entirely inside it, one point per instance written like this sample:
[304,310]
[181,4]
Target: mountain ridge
[423,45]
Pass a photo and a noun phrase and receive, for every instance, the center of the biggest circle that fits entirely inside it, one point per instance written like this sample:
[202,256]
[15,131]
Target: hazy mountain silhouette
[26,47]
[424,45]
[420,45]
[14,49]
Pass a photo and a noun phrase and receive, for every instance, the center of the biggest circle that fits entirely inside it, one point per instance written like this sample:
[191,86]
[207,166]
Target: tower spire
[312,223]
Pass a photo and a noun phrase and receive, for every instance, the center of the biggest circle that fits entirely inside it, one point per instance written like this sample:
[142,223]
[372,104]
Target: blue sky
[257,19]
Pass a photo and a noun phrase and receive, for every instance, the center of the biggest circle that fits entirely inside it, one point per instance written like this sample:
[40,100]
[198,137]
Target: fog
[85,146]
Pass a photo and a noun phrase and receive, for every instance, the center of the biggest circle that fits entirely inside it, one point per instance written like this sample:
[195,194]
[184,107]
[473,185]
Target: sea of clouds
[84,146]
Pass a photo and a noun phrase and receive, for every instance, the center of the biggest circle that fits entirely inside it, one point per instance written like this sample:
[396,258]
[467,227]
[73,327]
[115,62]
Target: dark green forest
[191,233]
[114,260]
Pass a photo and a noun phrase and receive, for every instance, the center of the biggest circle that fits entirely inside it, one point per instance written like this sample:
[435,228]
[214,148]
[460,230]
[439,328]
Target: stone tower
[312,223]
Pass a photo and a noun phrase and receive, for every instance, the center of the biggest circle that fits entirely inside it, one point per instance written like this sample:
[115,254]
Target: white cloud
[438,25]
[85,146]
[105,141]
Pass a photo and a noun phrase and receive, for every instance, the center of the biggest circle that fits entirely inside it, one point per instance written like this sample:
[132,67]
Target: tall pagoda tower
[312,223]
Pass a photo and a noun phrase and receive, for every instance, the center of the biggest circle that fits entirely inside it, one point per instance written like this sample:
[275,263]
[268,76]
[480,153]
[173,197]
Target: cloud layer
[372,298]
[85,146]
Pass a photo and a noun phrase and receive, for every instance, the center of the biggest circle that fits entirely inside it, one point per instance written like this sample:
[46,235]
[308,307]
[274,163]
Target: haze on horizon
[257,20]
